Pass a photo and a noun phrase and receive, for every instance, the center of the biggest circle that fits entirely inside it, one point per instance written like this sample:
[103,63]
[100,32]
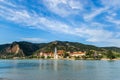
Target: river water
[59,70]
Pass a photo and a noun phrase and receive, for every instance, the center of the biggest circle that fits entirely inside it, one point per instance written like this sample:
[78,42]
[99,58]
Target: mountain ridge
[27,48]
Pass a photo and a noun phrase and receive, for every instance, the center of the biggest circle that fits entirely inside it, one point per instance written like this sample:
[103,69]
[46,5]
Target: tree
[110,55]
[48,57]
[90,53]
[42,57]
[65,55]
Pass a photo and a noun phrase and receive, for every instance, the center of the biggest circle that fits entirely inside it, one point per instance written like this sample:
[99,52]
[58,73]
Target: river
[59,70]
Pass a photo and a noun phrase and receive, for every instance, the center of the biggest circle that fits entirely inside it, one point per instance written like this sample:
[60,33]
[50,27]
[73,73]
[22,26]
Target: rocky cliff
[12,50]
[25,49]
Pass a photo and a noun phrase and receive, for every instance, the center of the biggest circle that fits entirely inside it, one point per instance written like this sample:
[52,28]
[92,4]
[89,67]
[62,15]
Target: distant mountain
[29,48]
[19,49]
[68,46]
[23,48]
[12,50]
[3,46]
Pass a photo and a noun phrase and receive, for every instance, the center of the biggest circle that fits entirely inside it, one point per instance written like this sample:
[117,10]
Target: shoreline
[103,59]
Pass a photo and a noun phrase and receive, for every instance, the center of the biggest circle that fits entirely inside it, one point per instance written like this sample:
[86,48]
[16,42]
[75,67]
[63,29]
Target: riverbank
[56,59]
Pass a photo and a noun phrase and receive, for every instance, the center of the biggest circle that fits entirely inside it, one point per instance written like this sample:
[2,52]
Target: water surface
[59,70]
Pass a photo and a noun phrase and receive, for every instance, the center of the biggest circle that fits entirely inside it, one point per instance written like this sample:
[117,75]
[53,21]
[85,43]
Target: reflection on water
[59,70]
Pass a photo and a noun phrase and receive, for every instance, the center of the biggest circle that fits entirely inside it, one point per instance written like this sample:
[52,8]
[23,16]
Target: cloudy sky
[95,22]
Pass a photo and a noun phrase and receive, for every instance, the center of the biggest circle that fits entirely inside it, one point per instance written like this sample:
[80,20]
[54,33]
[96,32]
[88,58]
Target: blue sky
[95,22]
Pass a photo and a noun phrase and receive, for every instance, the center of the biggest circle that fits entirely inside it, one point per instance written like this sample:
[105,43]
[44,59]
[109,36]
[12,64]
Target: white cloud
[113,20]
[34,20]
[112,15]
[94,35]
[63,7]
[75,4]
[28,18]
[111,3]
[36,40]
[94,13]
[7,2]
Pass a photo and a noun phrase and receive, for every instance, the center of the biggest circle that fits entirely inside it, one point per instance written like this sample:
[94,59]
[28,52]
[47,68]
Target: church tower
[55,53]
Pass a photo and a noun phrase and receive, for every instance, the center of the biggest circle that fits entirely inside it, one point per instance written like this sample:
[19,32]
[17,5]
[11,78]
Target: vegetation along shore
[59,49]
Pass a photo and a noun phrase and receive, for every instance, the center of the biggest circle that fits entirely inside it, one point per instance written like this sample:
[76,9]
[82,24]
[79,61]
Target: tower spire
[55,53]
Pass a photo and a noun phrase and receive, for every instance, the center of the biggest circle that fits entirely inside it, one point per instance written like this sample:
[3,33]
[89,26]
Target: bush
[65,55]
[42,57]
[48,57]
[110,55]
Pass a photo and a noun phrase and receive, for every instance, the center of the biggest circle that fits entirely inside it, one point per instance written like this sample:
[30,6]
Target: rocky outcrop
[19,49]
[12,51]
[26,49]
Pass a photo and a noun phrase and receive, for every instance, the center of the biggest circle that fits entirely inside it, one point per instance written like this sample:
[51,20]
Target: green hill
[24,49]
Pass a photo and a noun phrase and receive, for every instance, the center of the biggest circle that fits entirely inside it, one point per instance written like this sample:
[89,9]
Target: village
[61,54]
